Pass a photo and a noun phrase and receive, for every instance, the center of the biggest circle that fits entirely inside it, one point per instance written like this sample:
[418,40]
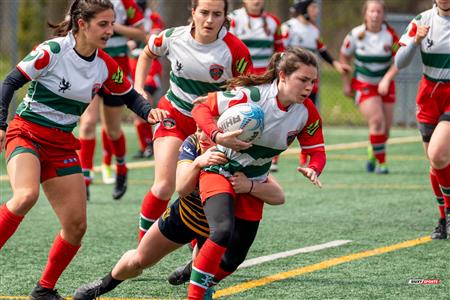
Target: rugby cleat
[440,232]
[180,275]
[120,187]
[90,291]
[371,160]
[107,174]
[382,169]
[41,293]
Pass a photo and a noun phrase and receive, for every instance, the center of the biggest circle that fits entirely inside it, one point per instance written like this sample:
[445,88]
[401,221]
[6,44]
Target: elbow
[277,199]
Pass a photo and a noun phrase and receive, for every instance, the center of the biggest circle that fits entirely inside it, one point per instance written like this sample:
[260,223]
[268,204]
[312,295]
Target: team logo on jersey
[387,48]
[312,128]
[64,85]
[169,123]
[179,66]
[95,89]
[118,76]
[291,137]
[216,71]
[430,43]
[131,12]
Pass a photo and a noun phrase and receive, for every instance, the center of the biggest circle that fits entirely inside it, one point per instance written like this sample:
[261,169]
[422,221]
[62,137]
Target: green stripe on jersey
[436,60]
[370,73]
[23,111]
[258,43]
[261,57]
[41,94]
[196,87]
[373,59]
[179,102]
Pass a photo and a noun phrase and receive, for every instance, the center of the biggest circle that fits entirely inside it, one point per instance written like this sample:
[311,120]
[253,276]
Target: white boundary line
[266,258]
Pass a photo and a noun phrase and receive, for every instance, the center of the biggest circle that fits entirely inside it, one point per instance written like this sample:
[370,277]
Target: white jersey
[196,68]
[262,41]
[373,52]
[298,34]
[281,128]
[63,84]
[435,48]
[128,14]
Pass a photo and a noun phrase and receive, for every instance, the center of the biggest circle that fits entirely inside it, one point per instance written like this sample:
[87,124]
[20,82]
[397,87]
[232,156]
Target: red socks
[9,223]
[86,155]
[438,193]
[145,134]
[59,257]
[204,268]
[443,177]
[378,142]
[119,150]
[152,208]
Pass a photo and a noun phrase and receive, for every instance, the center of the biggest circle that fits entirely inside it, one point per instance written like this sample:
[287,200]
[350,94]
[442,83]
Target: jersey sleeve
[285,32]
[311,136]
[349,45]
[241,59]
[135,16]
[159,44]
[278,44]
[189,150]
[410,33]
[39,60]
[116,82]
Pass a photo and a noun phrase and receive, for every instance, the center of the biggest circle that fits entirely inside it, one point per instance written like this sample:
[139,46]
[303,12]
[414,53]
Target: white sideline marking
[266,258]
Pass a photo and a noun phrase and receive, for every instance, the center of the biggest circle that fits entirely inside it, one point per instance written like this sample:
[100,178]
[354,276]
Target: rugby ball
[246,116]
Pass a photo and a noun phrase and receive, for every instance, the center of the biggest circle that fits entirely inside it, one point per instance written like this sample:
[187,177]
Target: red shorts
[175,124]
[246,206]
[365,91]
[433,100]
[55,149]
[153,78]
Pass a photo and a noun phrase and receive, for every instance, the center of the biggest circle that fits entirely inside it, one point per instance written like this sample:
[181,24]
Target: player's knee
[438,159]
[76,229]
[163,189]
[114,133]
[87,128]
[24,199]
[230,264]
[222,232]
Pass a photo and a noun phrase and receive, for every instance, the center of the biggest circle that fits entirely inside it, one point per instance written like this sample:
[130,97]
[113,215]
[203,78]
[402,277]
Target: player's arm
[142,68]
[269,191]
[409,43]
[14,81]
[136,33]
[189,170]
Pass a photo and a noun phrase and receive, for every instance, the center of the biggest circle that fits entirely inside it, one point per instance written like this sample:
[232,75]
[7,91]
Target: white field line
[334,147]
[266,258]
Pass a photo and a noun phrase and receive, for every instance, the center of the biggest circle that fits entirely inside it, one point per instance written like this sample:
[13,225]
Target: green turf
[371,210]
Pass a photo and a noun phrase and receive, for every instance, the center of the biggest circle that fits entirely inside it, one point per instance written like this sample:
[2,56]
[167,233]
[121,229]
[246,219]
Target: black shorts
[172,226]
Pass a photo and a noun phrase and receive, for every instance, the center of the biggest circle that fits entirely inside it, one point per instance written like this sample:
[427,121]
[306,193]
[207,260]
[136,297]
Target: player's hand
[311,175]
[2,140]
[383,87]
[157,115]
[348,91]
[240,183]
[230,140]
[341,67]
[422,31]
[211,157]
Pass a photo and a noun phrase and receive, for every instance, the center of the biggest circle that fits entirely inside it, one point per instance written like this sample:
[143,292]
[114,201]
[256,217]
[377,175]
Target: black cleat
[180,275]
[120,187]
[139,154]
[42,293]
[89,291]
[88,194]
[440,232]
[148,152]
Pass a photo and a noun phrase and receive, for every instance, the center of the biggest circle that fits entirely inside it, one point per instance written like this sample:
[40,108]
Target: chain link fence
[23,25]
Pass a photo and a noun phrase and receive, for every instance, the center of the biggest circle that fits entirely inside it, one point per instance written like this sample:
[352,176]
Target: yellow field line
[334,147]
[316,267]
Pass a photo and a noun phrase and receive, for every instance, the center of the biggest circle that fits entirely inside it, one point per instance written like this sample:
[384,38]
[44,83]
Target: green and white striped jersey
[127,13]
[373,52]
[63,83]
[435,48]
[262,41]
[281,128]
[196,68]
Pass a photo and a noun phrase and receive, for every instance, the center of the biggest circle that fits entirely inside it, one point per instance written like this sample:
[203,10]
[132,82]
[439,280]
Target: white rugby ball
[246,116]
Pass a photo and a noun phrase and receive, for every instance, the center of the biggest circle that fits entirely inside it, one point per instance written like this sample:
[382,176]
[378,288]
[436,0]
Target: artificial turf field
[385,221]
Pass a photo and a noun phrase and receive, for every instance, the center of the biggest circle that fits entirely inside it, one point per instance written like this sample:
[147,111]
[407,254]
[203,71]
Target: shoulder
[357,30]
[273,17]
[235,44]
